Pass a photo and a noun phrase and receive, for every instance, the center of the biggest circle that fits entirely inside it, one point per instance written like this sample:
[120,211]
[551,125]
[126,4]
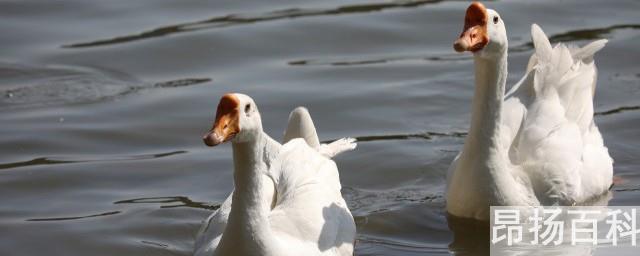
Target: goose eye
[495,20]
[247,108]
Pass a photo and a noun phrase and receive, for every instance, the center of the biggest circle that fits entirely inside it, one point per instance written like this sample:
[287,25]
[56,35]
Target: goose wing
[550,118]
[310,209]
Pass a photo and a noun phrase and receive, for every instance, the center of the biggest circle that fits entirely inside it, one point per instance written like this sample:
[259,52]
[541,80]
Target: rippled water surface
[103,104]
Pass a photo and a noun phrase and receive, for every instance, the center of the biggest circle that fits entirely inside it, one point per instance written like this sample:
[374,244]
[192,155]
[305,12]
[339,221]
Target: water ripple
[617,110]
[156,244]
[75,217]
[579,35]
[401,244]
[176,201]
[241,19]
[569,36]
[392,59]
[363,202]
[50,161]
[407,136]
[39,86]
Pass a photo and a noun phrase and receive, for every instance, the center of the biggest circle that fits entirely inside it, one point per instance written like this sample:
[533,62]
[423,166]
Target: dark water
[103,104]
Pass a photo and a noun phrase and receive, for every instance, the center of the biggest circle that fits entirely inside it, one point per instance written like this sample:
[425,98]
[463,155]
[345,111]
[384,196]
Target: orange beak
[227,124]
[474,36]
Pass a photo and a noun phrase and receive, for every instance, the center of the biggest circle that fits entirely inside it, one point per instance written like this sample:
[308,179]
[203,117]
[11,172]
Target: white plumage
[559,141]
[287,198]
[301,125]
[539,144]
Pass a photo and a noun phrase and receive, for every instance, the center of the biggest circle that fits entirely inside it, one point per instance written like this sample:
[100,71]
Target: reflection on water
[470,237]
[473,237]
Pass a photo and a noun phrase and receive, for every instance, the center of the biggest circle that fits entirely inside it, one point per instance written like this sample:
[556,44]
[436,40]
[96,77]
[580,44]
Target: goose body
[537,144]
[286,200]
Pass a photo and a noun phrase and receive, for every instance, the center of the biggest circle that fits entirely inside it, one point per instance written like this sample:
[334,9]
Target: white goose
[287,197]
[538,145]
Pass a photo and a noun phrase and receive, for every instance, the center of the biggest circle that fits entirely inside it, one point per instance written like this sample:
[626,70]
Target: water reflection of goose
[538,145]
[472,236]
[287,198]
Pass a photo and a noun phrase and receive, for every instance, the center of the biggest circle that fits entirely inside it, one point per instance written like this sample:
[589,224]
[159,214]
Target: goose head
[484,33]
[237,120]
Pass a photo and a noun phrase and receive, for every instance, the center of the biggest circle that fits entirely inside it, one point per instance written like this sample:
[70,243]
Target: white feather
[300,125]
[547,150]
[296,207]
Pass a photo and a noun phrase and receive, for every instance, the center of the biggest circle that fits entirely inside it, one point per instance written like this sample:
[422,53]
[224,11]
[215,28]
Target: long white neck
[482,148]
[248,228]
[490,79]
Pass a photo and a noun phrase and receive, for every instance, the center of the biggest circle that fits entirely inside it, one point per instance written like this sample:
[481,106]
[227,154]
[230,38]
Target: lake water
[103,105]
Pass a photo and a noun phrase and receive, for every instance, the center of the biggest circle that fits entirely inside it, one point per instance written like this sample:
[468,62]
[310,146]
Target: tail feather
[541,44]
[586,52]
[301,125]
[339,146]
[544,53]
[565,72]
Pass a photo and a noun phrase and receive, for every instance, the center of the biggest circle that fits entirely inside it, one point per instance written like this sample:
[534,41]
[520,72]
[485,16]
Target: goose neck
[248,227]
[490,80]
